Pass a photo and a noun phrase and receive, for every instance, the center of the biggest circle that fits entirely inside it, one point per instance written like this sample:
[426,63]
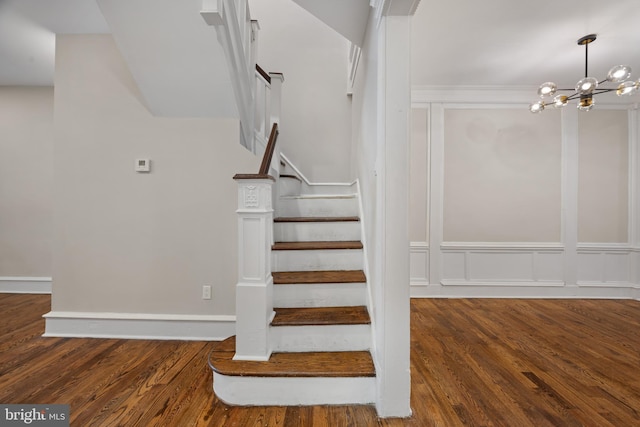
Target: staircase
[321,333]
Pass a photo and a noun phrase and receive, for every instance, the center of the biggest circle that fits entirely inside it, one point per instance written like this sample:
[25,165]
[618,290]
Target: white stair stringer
[317,259]
[320,295]
[289,186]
[278,391]
[316,231]
[309,338]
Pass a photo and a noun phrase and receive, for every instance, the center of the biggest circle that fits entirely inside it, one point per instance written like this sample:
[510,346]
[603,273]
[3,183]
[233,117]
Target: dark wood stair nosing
[321,316]
[303,219]
[318,245]
[318,277]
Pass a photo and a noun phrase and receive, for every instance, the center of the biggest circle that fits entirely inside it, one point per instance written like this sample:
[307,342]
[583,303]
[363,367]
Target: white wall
[524,205]
[315,129]
[26,146]
[126,242]
[501,176]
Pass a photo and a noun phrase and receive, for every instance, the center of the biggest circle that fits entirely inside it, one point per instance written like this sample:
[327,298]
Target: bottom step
[319,378]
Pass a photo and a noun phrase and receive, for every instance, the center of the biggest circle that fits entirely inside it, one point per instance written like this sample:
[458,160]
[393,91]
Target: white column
[394,378]
[254,290]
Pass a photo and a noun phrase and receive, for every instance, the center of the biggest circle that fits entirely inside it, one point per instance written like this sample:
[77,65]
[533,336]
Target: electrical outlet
[206,292]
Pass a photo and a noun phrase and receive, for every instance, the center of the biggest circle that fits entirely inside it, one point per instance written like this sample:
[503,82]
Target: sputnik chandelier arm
[587,87]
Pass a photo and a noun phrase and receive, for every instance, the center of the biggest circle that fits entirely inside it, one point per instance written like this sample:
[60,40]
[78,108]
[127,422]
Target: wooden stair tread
[317,219]
[311,277]
[301,246]
[314,364]
[315,316]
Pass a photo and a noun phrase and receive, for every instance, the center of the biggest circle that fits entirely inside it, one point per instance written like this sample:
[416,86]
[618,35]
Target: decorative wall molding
[606,265]
[25,285]
[502,264]
[139,326]
[419,263]
[491,97]
[521,269]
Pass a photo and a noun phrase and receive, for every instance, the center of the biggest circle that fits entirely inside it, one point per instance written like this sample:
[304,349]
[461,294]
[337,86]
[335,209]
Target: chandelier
[587,87]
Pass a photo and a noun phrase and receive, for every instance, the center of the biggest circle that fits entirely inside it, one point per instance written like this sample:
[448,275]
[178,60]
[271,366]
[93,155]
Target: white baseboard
[484,290]
[139,326]
[25,285]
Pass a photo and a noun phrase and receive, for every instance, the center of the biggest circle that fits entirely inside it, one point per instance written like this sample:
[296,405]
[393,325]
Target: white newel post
[254,290]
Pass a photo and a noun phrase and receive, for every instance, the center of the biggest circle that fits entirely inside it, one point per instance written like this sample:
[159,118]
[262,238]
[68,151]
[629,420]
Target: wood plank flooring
[476,362]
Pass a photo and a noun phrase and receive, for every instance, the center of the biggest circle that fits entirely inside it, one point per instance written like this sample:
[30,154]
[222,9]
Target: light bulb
[536,107]
[560,101]
[627,88]
[586,85]
[619,73]
[547,89]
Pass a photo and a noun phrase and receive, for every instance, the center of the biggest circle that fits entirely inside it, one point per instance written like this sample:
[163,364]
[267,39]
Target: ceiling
[521,43]
[27,36]
[455,42]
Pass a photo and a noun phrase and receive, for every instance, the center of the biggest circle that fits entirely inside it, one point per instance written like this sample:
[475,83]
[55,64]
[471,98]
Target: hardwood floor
[474,362]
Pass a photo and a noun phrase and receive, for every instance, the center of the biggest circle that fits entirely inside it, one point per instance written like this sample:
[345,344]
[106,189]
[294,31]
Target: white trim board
[139,326]
[25,285]
[488,290]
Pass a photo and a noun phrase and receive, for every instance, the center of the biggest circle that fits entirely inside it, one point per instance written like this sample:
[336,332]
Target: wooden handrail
[263,73]
[268,152]
[263,173]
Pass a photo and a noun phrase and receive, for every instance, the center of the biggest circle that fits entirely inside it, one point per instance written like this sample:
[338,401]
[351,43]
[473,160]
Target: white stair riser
[277,391]
[320,295]
[320,338]
[328,189]
[289,186]
[316,231]
[314,260]
[317,206]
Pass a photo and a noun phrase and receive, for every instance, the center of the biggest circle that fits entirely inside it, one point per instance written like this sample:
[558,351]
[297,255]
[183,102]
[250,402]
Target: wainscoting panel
[419,263]
[454,265]
[548,266]
[501,264]
[606,265]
